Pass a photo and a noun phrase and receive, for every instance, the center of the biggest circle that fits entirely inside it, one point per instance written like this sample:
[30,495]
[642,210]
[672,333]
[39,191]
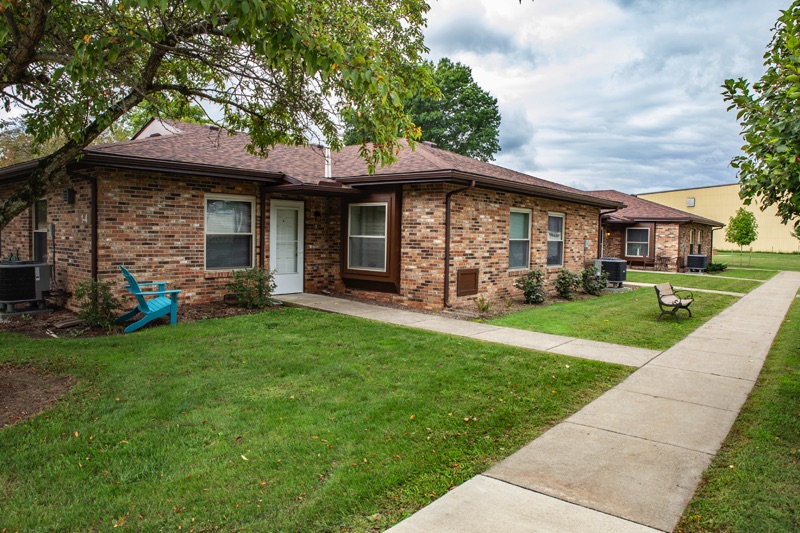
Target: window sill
[215,274]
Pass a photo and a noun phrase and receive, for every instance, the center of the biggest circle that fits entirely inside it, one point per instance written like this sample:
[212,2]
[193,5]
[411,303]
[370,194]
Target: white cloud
[610,94]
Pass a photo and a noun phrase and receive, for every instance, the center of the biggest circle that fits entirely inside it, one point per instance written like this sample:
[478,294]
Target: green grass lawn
[623,318]
[747,273]
[289,420]
[754,482]
[764,260]
[695,281]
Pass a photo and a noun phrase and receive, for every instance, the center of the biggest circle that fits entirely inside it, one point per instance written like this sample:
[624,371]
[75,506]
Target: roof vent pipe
[327,162]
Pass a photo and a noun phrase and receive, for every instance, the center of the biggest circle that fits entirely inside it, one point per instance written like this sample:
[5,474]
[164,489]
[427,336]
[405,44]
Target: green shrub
[567,283]
[532,285]
[483,304]
[716,267]
[96,305]
[253,288]
[592,283]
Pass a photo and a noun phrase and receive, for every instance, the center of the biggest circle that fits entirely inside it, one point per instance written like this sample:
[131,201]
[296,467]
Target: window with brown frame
[371,241]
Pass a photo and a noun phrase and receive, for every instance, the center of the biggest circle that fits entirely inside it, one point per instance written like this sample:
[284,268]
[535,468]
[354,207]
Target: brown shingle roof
[201,150]
[640,210]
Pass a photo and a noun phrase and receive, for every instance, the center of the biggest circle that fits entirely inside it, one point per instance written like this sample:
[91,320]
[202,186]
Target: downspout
[600,236]
[711,254]
[95,237]
[263,230]
[447,198]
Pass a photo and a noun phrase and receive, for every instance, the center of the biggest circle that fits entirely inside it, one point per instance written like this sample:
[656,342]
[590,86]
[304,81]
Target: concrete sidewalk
[631,460]
[598,351]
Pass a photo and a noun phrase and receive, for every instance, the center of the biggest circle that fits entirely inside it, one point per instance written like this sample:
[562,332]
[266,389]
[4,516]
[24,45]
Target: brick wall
[16,238]
[667,238]
[613,241]
[72,235]
[702,235]
[153,223]
[322,244]
[481,220]
[479,239]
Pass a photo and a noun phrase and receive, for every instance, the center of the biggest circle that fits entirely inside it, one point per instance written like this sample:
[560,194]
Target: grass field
[747,273]
[754,482]
[289,420]
[693,280]
[763,260]
[627,318]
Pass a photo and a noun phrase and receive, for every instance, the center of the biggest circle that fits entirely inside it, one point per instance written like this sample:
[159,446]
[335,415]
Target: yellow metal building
[720,202]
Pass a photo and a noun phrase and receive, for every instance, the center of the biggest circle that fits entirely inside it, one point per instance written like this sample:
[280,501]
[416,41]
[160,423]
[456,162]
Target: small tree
[742,230]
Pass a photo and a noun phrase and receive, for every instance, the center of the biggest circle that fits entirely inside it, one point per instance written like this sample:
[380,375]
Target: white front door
[286,245]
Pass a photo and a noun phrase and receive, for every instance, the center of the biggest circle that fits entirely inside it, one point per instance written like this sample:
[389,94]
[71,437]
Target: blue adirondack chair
[165,302]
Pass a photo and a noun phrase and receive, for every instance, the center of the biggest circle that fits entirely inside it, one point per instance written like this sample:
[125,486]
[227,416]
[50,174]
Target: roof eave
[455,176]
[18,172]
[313,190]
[633,220]
[177,167]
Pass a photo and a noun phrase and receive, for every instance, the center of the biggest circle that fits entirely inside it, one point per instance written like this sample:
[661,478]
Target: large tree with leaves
[769,169]
[281,70]
[465,120]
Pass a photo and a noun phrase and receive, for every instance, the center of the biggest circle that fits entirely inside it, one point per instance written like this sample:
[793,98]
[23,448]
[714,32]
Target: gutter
[488,182]
[447,212]
[91,159]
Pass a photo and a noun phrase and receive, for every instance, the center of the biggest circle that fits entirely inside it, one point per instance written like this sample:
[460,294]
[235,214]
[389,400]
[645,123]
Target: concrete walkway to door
[631,460]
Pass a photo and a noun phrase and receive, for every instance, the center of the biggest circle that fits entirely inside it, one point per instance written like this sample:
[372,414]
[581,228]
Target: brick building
[187,203]
[647,234]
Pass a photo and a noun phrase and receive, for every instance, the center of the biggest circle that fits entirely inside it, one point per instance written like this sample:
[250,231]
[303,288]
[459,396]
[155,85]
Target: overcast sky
[610,94]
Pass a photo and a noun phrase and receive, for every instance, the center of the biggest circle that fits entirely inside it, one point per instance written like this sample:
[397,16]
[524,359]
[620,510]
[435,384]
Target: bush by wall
[532,286]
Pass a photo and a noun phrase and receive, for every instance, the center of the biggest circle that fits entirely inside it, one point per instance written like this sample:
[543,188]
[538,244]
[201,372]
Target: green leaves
[742,228]
[282,70]
[456,114]
[769,169]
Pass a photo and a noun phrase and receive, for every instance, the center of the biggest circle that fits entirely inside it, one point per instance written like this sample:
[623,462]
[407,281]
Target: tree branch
[23,50]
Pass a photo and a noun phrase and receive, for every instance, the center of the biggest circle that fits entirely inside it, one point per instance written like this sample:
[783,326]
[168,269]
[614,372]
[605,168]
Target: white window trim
[385,235]
[230,198]
[563,218]
[647,242]
[530,221]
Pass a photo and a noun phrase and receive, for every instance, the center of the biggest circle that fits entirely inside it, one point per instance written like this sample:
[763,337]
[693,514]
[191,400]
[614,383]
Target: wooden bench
[670,301]
[163,302]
